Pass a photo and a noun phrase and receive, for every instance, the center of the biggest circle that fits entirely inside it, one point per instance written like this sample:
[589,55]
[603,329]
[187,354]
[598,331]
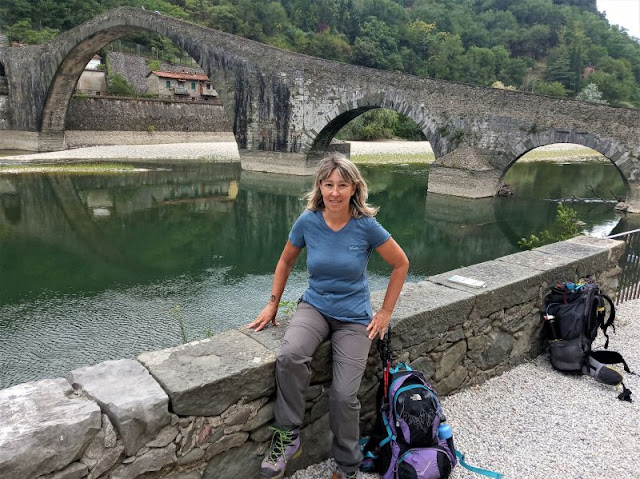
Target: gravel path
[536,423]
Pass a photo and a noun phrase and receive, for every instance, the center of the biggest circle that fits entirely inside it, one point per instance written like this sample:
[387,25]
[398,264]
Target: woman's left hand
[379,324]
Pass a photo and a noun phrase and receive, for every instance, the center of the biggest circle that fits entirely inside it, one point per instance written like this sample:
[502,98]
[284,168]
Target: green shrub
[566,225]
[118,85]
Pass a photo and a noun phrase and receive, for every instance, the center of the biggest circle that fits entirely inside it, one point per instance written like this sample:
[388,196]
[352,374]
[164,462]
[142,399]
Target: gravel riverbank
[536,423]
[228,151]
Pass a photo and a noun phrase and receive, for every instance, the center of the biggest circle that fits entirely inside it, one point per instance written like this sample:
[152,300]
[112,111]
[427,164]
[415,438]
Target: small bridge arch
[611,150]
[344,113]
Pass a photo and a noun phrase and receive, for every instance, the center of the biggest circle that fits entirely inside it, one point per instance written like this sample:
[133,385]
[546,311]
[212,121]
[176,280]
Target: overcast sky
[625,13]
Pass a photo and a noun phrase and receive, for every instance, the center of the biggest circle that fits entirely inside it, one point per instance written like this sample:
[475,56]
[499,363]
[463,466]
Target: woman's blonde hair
[349,172]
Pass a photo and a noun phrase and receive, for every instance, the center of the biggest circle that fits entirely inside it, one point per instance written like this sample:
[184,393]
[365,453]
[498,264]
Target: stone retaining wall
[126,114]
[202,410]
[79,139]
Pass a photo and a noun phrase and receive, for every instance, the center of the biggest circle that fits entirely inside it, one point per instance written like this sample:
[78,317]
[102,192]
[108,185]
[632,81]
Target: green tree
[22,32]
[375,45]
[550,88]
[446,61]
[119,86]
[591,93]
[328,45]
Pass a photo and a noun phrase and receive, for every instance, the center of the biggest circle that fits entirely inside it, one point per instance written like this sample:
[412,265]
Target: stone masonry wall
[125,114]
[202,410]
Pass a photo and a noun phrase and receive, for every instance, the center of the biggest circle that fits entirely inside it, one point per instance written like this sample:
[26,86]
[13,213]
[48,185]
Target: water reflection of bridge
[140,226]
[64,210]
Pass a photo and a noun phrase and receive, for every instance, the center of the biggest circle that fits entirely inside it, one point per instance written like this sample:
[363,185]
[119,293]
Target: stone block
[227,442]
[556,268]
[451,359]
[75,470]
[239,462]
[504,281]
[154,460]
[44,426]
[271,336]
[497,349]
[134,402]
[595,255]
[264,415]
[425,310]
[204,378]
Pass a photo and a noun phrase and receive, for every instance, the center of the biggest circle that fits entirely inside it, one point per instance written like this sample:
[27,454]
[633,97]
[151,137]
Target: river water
[105,266]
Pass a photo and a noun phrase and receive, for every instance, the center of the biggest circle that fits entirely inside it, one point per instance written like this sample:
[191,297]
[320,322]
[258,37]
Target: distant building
[93,80]
[196,86]
[588,70]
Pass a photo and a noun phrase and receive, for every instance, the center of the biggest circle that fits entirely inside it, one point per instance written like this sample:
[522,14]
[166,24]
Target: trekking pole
[386,356]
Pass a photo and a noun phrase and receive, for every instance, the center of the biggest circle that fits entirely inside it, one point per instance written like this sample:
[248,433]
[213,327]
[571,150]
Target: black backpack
[572,315]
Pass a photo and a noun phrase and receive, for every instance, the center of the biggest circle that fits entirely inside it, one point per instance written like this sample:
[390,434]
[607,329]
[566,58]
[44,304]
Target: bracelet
[273,298]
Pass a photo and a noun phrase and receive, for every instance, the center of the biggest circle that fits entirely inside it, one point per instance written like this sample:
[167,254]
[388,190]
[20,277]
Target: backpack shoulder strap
[612,316]
[477,470]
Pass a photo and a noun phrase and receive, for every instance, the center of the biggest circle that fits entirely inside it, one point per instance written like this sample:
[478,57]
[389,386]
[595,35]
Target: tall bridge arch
[285,107]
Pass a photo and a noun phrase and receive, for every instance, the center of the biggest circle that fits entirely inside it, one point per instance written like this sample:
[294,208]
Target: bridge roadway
[287,107]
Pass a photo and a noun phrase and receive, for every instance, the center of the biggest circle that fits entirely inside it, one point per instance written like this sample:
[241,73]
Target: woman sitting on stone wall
[339,231]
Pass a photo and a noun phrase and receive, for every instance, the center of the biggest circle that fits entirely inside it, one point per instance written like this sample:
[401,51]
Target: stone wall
[202,410]
[125,114]
[79,139]
[4,113]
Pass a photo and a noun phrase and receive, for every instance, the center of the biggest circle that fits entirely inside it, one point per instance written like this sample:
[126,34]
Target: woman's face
[336,193]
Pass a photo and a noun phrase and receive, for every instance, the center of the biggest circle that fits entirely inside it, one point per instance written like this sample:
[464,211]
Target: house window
[168,83]
[193,85]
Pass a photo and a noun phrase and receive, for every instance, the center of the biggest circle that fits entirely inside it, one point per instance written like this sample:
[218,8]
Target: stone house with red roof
[180,85]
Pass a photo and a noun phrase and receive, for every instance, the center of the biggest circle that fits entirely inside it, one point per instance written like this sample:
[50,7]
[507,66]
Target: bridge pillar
[300,164]
[51,141]
[632,202]
[464,172]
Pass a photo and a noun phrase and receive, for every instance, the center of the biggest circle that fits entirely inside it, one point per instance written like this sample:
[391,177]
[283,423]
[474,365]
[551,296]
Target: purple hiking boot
[285,445]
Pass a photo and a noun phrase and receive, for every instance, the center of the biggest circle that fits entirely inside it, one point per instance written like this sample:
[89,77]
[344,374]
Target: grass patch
[78,168]
[393,158]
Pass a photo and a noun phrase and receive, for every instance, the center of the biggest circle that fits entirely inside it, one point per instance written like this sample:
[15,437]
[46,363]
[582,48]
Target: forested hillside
[552,47]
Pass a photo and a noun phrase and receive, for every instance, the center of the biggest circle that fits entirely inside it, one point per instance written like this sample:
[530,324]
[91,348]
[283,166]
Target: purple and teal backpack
[405,443]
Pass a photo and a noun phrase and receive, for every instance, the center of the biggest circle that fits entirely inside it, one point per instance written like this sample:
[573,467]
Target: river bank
[362,152]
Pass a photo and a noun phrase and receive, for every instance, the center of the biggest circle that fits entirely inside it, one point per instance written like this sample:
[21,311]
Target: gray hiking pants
[350,345]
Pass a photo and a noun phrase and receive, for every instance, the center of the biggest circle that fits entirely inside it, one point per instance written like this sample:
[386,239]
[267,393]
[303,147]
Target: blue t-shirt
[337,264]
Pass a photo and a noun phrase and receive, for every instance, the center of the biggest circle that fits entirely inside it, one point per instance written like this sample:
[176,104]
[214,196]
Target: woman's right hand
[266,316]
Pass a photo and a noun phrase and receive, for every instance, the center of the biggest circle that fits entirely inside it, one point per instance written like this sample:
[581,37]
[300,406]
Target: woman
[339,231]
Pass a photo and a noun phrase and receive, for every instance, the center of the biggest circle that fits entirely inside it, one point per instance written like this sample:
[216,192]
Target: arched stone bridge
[287,107]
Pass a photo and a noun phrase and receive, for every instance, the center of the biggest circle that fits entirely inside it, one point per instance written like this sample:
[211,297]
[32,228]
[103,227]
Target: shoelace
[279,442]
